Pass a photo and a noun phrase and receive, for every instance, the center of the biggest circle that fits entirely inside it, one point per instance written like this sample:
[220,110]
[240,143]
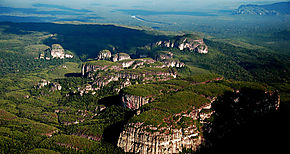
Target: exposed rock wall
[141,138]
[102,81]
[172,63]
[120,57]
[104,55]
[230,111]
[183,43]
[133,102]
[57,51]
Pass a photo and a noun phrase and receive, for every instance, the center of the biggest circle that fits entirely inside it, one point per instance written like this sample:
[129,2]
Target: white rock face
[68,56]
[203,49]
[144,139]
[104,55]
[57,51]
[185,42]
[120,57]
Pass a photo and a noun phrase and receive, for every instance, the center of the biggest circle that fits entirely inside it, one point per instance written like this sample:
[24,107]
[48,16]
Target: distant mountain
[281,8]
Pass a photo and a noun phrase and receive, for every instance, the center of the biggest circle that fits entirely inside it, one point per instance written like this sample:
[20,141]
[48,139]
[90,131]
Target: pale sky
[140,4]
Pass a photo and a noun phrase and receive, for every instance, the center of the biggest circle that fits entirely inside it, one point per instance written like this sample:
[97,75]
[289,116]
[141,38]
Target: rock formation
[141,138]
[233,109]
[54,86]
[173,63]
[120,57]
[58,52]
[185,42]
[104,55]
[164,55]
[101,80]
[133,102]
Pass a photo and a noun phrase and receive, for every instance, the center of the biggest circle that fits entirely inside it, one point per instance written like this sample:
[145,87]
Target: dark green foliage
[29,114]
[210,89]
[76,144]
[96,37]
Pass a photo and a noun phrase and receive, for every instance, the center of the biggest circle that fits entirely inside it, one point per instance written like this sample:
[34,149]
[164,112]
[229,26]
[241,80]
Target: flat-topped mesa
[104,55]
[100,65]
[189,42]
[142,75]
[103,65]
[57,51]
[141,138]
[163,128]
[120,57]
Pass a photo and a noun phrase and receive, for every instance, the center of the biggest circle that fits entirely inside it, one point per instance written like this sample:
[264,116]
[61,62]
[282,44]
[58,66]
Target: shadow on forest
[73,75]
[237,129]
[87,40]
[109,101]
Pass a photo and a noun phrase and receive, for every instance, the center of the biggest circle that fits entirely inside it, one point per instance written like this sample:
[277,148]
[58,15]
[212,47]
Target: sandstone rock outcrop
[134,102]
[58,52]
[120,57]
[164,55]
[104,55]
[173,63]
[185,42]
[101,81]
[142,138]
[229,111]
[54,86]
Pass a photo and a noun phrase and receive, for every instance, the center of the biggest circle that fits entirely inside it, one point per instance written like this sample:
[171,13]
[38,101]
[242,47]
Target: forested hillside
[84,88]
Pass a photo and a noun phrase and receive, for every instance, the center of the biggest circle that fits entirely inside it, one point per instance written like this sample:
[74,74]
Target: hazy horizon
[174,5]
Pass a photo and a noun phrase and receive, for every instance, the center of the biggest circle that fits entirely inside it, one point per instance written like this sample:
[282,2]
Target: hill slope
[282,8]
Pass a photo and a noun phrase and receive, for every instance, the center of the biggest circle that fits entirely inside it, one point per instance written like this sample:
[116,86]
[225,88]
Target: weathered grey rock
[42,83]
[104,55]
[173,63]
[133,102]
[57,51]
[141,138]
[185,42]
[120,57]
[55,86]
[164,55]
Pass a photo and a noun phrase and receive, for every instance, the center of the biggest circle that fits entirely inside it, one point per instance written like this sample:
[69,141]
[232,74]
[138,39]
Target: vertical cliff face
[190,130]
[189,42]
[120,57]
[142,138]
[137,140]
[133,102]
[104,55]
[57,51]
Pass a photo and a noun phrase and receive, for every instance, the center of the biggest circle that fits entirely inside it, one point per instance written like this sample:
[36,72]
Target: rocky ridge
[56,51]
[187,42]
[123,69]
[53,86]
[142,138]
[139,137]
[280,8]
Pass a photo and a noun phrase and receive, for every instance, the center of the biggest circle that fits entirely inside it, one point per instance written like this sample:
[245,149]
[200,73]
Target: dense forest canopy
[75,80]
